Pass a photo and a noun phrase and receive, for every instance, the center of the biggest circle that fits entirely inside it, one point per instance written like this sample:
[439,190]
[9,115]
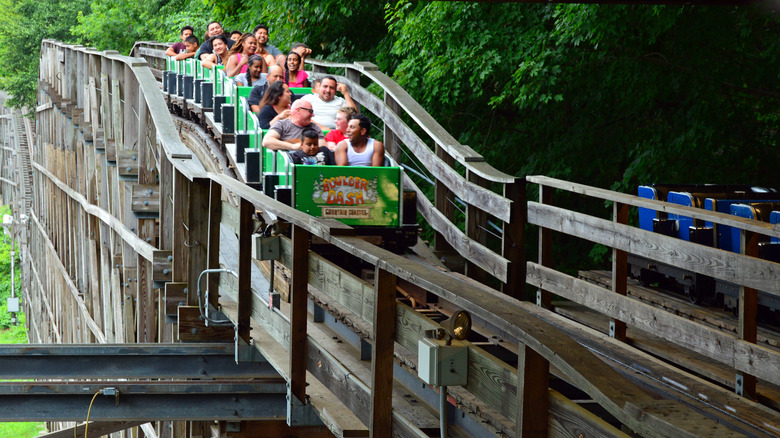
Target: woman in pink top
[239,55]
[294,76]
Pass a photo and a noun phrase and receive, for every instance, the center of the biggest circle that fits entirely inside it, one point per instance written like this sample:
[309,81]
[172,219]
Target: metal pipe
[200,303]
[443,411]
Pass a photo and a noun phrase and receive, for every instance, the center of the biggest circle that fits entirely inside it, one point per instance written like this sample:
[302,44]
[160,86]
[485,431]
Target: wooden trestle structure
[125,216]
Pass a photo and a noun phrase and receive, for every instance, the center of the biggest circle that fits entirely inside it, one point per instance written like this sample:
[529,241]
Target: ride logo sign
[353,195]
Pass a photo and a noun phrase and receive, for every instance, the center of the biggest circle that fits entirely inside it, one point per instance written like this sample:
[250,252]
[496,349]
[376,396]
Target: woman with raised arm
[254,74]
[220,55]
[275,105]
[239,55]
[294,76]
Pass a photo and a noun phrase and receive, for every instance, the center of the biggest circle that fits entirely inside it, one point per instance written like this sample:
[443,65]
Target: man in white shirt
[326,104]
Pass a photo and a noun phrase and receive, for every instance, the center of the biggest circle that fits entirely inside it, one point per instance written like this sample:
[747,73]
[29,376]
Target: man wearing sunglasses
[285,135]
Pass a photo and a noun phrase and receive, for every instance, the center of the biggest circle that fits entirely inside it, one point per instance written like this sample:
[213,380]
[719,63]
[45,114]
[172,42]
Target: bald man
[275,73]
[285,135]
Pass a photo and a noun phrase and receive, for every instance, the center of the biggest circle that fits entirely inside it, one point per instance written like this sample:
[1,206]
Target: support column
[382,353]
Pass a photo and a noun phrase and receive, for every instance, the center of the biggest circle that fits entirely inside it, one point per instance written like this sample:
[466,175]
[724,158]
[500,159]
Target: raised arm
[378,159]
[184,55]
[343,88]
[273,141]
[233,66]
[210,60]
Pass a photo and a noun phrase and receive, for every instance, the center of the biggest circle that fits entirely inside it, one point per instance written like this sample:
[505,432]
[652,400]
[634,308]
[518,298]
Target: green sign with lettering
[353,195]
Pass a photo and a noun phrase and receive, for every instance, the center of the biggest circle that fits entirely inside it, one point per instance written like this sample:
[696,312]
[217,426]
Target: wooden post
[392,142]
[298,320]
[514,239]
[198,236]
[476,225]
[382,353]
[543,297]
[245,229]
[617,328]
[181,217]
[748,309]
[443,201]
[212,250]
[533,377]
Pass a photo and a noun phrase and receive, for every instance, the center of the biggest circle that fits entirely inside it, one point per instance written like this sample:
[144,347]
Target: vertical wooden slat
[476,225]
[181,214]
[198,235]
[382,353]
[246,210]
[391,141]
[544,298]
[443,200]
[513,244]
[215,217]
[619,271]
[748,310]
[298,320]
[533,376]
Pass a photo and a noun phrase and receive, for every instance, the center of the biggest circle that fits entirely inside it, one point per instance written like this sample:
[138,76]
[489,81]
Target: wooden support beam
[198,235]
[443,200]
[533,380]
[544,297]
[212,256]
[298,318]
[244,301]
[747,329]
[382,353]
[617,328]
[146,314]
[513,244]
[476,228]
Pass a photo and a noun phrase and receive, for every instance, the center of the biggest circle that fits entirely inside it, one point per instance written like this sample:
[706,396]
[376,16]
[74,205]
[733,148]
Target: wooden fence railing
[126,219]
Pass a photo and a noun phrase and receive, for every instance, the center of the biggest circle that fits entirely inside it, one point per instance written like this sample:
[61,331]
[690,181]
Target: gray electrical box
[266,248]
[13,304]
[439,364]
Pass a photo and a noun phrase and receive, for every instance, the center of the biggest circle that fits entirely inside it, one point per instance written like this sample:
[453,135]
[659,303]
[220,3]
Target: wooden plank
[747,328]
[244,267]
[198,234]
[513,240]
[544,298]
[764,228]
[619,270]
[480,255]
[212,248]
[146,306]
[162,266]
[532,393]
[298,320]
[98,428]
[174,297]
[722,347]
[138,244]
[725,265]
[585,370]
[382,354]
[83,312]
[192,329]
[146,198]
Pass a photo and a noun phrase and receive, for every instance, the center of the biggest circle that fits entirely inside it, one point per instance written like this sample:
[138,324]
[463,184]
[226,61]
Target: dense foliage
[608,95]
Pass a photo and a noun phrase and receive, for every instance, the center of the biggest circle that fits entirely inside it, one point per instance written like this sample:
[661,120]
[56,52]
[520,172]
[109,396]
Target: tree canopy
[608,95]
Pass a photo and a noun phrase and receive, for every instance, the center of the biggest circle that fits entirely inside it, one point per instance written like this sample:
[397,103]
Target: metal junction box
[439,364]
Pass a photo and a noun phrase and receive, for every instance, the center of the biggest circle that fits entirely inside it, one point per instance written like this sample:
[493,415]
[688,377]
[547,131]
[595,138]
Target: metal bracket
[612,329]
[299,413]
[246,353]
[539,297]
[739,388]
